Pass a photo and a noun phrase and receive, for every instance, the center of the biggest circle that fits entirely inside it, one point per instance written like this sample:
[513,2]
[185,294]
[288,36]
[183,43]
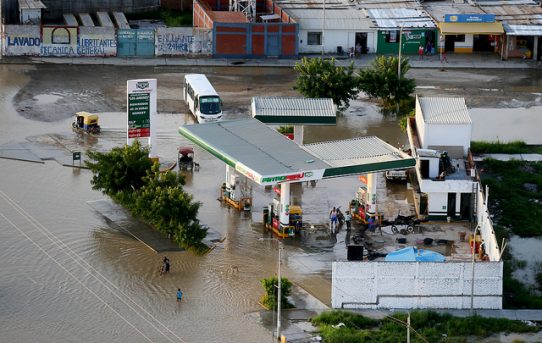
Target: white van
[201,98]
[396,175]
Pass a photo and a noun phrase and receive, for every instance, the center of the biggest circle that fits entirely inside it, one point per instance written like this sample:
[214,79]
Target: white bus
[201,98]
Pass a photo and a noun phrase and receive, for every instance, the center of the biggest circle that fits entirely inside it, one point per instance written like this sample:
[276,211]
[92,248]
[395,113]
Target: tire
[410,229]
[394,229]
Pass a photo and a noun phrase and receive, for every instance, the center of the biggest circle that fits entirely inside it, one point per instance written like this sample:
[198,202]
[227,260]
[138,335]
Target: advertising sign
[469,18]
[268,180]
[141,106]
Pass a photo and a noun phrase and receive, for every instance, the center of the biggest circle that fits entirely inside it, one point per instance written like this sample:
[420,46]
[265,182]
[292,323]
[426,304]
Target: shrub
[270,285]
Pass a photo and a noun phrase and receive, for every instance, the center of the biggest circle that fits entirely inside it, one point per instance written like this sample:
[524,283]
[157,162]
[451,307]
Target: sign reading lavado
[274,179]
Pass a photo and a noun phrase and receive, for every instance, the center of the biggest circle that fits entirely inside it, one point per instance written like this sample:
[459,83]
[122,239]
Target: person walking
[333,218]
[165,266]
[179,295]
[420,52]
[348,220]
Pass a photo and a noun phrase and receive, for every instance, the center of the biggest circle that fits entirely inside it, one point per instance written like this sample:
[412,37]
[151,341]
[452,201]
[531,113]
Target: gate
[273,45]
[135,42]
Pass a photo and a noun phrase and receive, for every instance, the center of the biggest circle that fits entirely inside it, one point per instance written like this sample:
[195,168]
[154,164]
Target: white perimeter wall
[97,41]
[333,39]
[182,41]
[416,285]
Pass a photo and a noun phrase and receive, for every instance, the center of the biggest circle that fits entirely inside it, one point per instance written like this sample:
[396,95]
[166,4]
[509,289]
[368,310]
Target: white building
[343,27]
[439,135]
[30,12]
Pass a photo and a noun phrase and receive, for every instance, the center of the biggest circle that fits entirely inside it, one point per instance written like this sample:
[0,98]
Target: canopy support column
[371,193]
[298,134]
[284,204]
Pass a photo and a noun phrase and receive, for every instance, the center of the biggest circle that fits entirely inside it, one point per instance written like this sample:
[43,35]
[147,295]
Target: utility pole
[323,24]
[408,328]
[399,62]
[279,292]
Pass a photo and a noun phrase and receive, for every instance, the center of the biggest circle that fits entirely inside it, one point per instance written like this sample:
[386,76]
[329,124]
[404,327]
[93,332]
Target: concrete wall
[21,40]
[182,41]
[485,224]
[33,40]
[412,285]
[97,41]
[333,39]
[466,46]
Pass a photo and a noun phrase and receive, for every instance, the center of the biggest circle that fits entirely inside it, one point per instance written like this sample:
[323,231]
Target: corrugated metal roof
[515,14]
[437,10]
[523,30]
[440,110]
[31,5]
[289,106]
[336,19]
[356,151]
[397,17]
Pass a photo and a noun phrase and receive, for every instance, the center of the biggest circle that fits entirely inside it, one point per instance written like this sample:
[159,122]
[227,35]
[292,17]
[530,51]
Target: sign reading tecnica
[469,18]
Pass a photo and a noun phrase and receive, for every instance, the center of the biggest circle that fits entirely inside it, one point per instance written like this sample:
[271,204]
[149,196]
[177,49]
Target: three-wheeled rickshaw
[186,158]
[86,123]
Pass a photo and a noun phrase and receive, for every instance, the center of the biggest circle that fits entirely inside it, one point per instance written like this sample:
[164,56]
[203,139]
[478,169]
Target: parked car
[396,175]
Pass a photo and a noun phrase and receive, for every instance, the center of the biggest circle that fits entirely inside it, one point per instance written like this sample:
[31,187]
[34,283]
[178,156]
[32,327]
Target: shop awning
[523,30]
[471,28]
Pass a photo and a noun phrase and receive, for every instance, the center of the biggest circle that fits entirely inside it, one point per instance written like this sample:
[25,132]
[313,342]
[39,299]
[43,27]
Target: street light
[399,63]
[279,292]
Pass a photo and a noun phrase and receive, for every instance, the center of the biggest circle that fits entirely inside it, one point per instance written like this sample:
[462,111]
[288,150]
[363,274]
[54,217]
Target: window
[459,38]
[210,105]
[391,36]
[314,38]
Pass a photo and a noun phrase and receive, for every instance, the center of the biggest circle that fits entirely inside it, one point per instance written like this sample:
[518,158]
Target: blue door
[126,40]
[273,45]
[135,43]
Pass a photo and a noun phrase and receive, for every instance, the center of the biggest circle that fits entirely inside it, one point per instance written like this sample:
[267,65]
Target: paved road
[462,61]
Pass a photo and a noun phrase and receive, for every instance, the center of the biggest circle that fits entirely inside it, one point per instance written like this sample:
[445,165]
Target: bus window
[210,105]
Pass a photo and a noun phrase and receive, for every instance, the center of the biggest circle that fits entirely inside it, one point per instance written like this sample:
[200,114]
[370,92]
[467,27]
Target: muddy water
[68,276]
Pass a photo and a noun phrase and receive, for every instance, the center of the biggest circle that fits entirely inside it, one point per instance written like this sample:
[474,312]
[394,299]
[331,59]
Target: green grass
[172,18]
[516,147]
[514,207]
[427,326]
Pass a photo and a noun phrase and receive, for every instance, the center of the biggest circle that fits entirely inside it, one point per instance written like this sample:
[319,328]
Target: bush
[351,320]
[270,285]
[516,147]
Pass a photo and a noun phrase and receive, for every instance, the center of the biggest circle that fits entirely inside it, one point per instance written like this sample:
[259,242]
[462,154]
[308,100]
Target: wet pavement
[66,272]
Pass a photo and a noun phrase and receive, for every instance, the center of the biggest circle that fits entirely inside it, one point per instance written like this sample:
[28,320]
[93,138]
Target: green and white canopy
[267,157]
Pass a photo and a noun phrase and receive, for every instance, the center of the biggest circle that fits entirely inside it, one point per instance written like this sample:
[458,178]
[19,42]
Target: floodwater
[66,275]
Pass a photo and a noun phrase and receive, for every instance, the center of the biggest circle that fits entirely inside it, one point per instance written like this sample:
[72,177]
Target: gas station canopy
[267,157]
[292,111]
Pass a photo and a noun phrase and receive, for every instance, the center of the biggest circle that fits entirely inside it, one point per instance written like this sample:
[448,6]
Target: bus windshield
[209,105]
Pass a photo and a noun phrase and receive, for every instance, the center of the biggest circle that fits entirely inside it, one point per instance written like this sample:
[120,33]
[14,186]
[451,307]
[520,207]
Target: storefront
[388,41]
[523,41]
[467,33]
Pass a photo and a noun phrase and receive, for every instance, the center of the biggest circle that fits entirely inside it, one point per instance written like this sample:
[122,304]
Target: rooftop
[401,17]
[31,5]
[290,110]
[267,157]
[344,18]
[441,110]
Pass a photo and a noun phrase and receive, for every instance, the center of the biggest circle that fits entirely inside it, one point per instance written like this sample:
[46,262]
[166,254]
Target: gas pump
[283,219]
[363,206]
[235,191]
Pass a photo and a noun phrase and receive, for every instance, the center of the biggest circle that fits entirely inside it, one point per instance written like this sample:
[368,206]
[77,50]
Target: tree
[120,170]
[319,78]
[130,178]
[382,81]
[270,285]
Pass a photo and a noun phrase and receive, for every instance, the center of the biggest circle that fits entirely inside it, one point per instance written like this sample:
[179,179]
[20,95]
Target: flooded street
[68,275]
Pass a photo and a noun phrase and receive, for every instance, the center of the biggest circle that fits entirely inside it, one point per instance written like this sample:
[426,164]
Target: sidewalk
[461,61]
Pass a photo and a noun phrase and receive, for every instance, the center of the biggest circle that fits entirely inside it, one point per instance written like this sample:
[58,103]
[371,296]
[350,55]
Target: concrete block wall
[485,224]
[21,40]
[416,285]
[180,41]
